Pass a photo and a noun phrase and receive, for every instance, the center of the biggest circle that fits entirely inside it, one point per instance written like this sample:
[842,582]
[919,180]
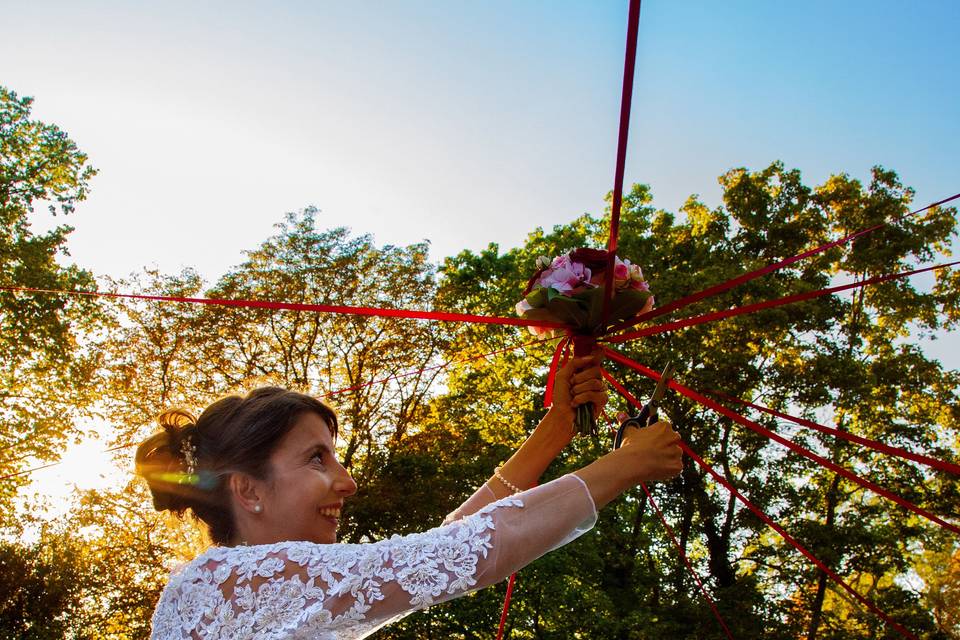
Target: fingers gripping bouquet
[570,289]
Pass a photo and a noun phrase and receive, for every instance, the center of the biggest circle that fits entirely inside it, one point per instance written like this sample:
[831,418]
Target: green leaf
[553,294]
[627,304]
[538,297]
[570,311]
[541,314]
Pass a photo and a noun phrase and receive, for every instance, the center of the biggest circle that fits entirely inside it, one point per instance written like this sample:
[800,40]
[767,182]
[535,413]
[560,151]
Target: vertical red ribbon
[626,98]
[506,606]
[554,365]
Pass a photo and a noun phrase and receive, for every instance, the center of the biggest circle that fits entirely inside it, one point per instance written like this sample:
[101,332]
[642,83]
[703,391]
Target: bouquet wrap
[571,289]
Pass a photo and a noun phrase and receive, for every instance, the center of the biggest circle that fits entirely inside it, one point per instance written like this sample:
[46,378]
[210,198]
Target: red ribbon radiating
[626,97]
[327,395]
[768,304]
[632,400]
[747,277]
[554,365]
[443,316]
[686,561]
[799,547]
[793,446]
[934,463]
[766,519]
[506,606]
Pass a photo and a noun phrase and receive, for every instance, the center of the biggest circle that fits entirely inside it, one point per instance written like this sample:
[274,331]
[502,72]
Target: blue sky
[463,122]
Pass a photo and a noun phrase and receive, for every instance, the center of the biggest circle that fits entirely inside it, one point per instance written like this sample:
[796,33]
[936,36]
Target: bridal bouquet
[570,289]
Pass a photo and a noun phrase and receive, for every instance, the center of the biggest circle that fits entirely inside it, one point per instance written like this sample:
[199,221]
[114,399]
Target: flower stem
[585,422]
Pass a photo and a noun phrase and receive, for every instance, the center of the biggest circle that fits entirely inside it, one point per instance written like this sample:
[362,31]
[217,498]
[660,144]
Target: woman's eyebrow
[317,447]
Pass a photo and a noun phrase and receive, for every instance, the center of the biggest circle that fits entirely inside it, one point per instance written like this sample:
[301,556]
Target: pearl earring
[257,508]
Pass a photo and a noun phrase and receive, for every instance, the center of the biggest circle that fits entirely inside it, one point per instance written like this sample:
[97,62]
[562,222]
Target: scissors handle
[645,418]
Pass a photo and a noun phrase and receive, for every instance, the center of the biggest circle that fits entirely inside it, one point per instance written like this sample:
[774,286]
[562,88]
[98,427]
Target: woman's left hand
[579,382]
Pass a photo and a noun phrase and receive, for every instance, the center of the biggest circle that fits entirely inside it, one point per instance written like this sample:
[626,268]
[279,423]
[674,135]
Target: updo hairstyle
[187,465]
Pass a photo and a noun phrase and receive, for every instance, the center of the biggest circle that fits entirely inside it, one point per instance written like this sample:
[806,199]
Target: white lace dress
[337,591]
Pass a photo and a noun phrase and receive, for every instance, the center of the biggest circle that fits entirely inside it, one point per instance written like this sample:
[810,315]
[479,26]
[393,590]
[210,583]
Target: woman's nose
[345,484]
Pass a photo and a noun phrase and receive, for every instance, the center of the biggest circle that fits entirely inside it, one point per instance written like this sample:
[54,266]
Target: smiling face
[305,492]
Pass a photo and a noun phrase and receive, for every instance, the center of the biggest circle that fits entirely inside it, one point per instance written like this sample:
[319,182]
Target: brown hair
[234,434]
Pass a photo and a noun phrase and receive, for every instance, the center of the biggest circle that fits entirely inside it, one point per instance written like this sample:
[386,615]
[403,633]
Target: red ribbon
[506,606]
[686,561]
[299,306]
[327,395]
[790,539]
[940,465]
[747,277]
[756,511]
[621,389]
[554,365]
[767,304]
[626,97]
[632,400]
[793,446]
[506,603]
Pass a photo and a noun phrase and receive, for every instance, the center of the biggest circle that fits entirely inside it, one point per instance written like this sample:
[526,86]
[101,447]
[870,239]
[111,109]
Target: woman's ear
[246,492]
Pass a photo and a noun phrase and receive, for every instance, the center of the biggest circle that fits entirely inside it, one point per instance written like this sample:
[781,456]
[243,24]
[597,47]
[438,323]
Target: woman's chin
[324,537]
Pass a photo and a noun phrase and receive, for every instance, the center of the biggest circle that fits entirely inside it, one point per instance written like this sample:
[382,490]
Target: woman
[261,473]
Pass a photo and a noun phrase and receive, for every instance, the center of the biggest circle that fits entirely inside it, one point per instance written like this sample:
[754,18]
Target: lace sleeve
[480,498]
[306,590]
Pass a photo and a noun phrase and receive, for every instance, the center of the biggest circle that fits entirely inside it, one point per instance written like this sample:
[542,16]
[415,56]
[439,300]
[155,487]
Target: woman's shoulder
[216,564]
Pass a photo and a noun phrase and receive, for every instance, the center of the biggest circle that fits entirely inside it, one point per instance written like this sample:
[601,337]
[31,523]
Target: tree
[41,588]
[163,355]
[39,334]
[835,359]
[94,573]
[941,571]
[827,356]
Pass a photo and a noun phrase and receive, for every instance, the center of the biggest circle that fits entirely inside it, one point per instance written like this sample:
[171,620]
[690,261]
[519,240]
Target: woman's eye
[318,457]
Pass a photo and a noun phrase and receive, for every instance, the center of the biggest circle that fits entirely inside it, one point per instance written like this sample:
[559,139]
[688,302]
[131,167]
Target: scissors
[647,415]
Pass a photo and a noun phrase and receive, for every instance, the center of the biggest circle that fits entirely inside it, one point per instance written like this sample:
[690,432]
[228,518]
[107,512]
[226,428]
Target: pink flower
[621,270]
[628,276]
[561,262]
[564,275]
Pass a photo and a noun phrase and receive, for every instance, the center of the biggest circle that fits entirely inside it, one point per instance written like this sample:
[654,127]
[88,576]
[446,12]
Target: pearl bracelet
[509,485]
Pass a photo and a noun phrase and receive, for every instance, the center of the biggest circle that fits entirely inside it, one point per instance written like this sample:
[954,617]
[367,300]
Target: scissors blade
[662,386]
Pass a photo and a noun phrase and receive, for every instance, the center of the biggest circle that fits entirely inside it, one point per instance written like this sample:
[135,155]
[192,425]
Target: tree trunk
[817,608]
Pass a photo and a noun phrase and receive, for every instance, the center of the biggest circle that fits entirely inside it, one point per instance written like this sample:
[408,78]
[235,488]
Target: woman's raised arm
[578,382]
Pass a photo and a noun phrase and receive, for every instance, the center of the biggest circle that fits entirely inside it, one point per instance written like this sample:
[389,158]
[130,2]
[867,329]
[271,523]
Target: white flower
[522,306]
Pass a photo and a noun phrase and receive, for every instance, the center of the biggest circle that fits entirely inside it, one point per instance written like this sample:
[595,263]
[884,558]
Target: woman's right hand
[655,451]
[651,453]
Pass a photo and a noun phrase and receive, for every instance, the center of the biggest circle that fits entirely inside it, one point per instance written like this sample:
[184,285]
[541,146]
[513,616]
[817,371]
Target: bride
[261,473]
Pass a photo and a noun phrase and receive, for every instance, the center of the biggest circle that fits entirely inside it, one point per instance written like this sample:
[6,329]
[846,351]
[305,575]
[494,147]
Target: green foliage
[40,345]
[95,573]
[42,588]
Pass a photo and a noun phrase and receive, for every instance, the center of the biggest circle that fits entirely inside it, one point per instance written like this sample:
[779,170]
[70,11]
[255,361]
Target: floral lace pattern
[282,588]
[304,590]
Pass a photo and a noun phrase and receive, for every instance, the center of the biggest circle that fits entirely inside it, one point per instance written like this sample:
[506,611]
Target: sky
[464,123]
